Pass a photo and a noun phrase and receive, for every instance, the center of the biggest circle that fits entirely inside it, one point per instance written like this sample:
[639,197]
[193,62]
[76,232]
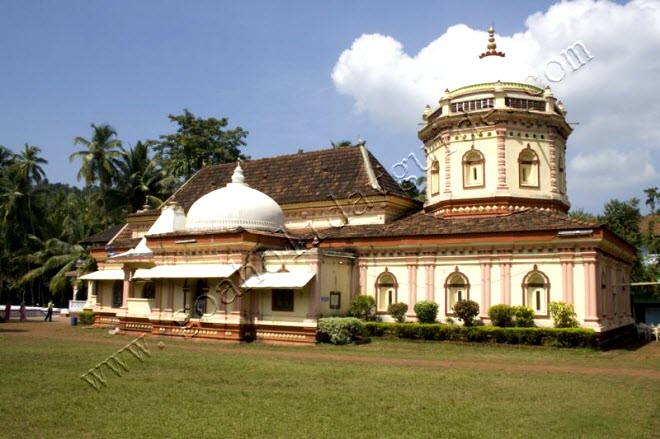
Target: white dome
[236,205]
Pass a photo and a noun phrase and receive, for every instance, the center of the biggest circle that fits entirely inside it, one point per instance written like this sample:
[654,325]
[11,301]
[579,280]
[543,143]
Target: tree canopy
[199,142]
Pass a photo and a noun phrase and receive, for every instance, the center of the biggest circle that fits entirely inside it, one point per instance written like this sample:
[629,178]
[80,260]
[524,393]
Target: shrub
[398,311]
[449,321]
[378,329]
[363,307]
[340,330]
[86,317]
[563,315]
[523,316]
[427,311]
[466,310]
[501,315]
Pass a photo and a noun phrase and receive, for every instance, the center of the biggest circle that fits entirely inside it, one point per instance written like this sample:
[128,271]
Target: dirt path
[59,328]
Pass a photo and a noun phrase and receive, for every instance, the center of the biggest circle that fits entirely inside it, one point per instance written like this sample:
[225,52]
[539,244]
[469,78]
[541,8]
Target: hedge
[86,317]
[560,337]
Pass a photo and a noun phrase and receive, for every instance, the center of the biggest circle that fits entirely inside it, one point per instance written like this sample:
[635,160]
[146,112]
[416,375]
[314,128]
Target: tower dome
[233,206]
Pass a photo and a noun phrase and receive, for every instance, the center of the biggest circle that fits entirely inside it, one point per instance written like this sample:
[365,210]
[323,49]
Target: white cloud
[614,98]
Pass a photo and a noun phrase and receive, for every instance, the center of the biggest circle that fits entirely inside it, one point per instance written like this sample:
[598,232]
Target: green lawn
[382,389]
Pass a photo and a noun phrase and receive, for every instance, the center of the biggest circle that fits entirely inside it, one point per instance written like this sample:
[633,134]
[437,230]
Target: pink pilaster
[591,296]
[412,287]
[128,288]
[430,282]
[445,141]
[363,278]
[485,289]
[501,159]
[505,281]
[567,266]
[552,143]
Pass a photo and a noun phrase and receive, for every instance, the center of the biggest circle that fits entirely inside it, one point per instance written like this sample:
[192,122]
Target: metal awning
[279,280]
[190,271]
[109,275]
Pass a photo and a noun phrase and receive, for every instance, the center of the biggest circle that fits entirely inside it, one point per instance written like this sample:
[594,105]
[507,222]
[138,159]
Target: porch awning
[279,280]
[109,275]
[190,271]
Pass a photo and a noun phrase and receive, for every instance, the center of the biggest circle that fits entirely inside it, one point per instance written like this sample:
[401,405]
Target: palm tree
[6,157]
[27,168]
[141,180]
[99,159]
[28,164]
[56,258]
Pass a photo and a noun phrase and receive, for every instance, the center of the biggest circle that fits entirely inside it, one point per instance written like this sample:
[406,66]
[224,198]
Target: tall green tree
[99,160]
[54,259]
[141,180]
[198,142]
[653,199]
[28,164]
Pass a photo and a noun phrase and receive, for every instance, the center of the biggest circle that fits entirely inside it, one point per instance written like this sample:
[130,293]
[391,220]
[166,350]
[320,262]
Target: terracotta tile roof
[297,178]
[646,222]
[423,224]
[103,237]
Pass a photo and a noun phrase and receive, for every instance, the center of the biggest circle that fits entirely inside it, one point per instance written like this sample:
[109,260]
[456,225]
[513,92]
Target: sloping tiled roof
[103,237]
[297,178]
[646,222]
[423,224]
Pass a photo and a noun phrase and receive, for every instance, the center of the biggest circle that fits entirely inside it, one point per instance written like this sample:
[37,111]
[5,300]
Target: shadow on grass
[12,330]
[628,344]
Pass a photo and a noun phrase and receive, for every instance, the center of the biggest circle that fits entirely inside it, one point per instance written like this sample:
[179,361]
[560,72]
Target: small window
[528,168]
[473,169]
[435,178]
[386,289]
[335,299]
[536,292]
[283,300]
[457,288]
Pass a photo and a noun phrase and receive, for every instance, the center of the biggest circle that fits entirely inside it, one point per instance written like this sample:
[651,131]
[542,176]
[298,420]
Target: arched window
[528,168]
[536,292]
[473,169]
[117,294]
[457,287]
[386,291]
[561,173]
[435,178]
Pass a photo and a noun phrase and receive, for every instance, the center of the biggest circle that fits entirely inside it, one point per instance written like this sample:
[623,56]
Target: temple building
[262,249]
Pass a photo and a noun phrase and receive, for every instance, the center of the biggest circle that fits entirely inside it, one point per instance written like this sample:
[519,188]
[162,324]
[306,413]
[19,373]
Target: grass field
[382,389]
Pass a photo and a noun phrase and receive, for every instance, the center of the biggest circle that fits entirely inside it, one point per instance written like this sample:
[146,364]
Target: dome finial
[492,47]
[238,176]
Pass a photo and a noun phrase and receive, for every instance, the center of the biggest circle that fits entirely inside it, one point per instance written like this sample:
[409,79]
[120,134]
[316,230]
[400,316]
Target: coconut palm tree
[27,164]
[141,180]
[99,160]
[56,258]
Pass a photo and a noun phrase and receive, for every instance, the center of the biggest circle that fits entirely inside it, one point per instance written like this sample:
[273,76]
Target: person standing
[49,314]
[23,312]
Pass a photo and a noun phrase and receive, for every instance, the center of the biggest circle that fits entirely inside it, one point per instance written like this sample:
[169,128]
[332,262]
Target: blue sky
[265,65]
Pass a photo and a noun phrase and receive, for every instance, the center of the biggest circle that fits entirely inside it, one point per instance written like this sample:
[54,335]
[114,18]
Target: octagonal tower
[495,146]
